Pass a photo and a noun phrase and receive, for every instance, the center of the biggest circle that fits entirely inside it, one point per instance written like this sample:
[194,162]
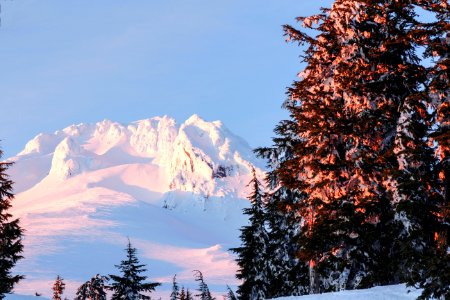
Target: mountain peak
[156,181]
[198,156]
[194,119]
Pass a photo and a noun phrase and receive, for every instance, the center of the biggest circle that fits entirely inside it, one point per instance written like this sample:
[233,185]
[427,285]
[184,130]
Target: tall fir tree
[10,234]
[94,289]
[130,284]
[360,127]
[252,254]
[58,288]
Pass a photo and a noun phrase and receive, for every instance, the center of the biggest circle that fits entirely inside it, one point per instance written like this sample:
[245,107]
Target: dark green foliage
[58,288]
[130,284]
[252,255]
[436,279]
[10,234]
[287,275]
[94,289]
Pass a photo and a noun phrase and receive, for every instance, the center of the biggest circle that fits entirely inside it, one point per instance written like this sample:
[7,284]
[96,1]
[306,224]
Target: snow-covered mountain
[176,191]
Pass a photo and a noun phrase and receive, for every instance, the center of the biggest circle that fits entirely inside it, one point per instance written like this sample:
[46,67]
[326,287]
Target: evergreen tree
[185,295]
[189,295]
[359,125]
[345,128]
[252,255]
[204,294]
[182,295]
[288,275]
[10,234]
[93,289]
[175,289]
[58,288]
[130,284]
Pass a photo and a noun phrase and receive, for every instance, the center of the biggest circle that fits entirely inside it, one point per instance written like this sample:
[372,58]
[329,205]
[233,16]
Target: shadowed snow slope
[177,191]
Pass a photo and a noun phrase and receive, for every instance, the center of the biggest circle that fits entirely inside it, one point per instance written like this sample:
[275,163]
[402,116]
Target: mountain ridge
[179,189]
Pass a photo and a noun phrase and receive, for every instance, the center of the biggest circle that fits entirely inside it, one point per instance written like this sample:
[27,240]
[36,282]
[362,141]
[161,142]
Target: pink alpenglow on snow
[176,191]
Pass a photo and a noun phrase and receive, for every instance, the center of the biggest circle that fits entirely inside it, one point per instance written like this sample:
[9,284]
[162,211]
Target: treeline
[358,189]
[131,284]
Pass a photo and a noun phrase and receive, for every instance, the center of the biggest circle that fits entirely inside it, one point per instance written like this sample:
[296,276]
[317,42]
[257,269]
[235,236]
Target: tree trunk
[313,278]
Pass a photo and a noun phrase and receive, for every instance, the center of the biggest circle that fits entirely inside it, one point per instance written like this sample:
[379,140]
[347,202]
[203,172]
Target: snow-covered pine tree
[252,254]
[94,289]
[175,289]
[10,234]
[58,288]
[130,284]
[345,108]
[416,187]
[362,77]
[287,275]
[204,293]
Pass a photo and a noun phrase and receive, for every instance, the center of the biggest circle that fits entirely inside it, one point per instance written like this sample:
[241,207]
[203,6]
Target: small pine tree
[175,289]
[204,294]
[185,294]
[58,288]
[93,289]
[182,294]
[189,295]
[130,285]
[10,234]
[230,294]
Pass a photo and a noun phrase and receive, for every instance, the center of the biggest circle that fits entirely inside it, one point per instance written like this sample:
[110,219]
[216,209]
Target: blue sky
[72,61]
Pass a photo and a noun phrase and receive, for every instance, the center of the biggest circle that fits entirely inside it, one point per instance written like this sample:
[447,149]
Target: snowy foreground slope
[177,191]
[391,292]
